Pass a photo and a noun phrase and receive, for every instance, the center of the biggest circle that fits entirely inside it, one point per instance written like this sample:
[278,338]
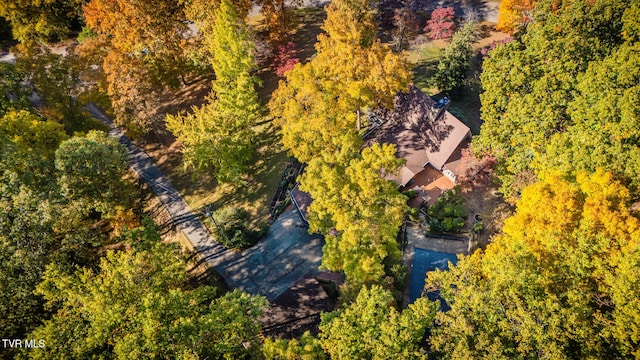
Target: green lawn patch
[252,192]
[425,58]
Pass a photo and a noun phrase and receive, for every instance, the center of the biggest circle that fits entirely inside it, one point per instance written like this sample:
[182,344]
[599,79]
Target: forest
[225,95]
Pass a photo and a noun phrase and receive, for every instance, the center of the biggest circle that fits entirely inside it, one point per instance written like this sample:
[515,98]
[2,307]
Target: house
[426,135]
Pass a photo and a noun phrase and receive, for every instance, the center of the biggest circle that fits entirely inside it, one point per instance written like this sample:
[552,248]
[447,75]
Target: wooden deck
[430,184]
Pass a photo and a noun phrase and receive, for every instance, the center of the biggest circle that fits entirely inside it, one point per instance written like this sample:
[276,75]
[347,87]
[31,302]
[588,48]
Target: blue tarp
[424,261]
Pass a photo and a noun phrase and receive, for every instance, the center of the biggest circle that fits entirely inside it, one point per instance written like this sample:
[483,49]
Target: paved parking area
[284,255]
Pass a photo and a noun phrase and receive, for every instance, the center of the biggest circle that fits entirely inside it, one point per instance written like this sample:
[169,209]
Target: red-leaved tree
[285,58]
[441,25]
[477,171]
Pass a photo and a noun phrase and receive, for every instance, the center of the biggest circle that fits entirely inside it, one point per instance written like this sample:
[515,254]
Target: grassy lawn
[465,104]
[254,190]
[425,58]
[309,21]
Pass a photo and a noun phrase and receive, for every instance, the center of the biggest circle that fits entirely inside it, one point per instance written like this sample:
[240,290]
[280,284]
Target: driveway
[484,10]
[284,255]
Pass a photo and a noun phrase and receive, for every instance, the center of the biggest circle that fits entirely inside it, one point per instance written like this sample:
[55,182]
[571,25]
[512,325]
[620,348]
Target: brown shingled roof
[301,200]
[418,139]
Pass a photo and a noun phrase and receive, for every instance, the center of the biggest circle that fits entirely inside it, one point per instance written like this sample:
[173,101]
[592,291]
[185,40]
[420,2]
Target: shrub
[231,228]
[432,210]
[414,213]
[447,210]
[458,224]
[447,214]
[459,211]
[398,272]
[86,34]
[447,224]
[435,226]
[411,194]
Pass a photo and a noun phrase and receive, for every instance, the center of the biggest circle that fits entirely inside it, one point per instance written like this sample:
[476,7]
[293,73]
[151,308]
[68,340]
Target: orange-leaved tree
[514,13]
[145,42]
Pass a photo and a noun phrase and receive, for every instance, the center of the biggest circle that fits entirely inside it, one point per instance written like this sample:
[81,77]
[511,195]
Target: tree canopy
[318,104]
[368,328]
[38,224]
[218,135]
[137,305]
[513,14]
[606,127]
[56,80]
[30,133]
[456,60]
[319,107]
[41,20]
[13,95]
[557,283]
[371,328]
[358,210]
[91,169]
[142,46]
[530,85]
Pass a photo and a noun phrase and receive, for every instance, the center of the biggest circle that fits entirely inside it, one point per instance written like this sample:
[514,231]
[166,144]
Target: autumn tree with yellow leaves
[358,210]
[320,108]
[320,103]
[514,13]
[559,282]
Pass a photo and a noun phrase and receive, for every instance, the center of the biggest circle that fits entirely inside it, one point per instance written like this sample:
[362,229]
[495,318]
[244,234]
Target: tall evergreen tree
[234,65]
[455,62]
[218,135]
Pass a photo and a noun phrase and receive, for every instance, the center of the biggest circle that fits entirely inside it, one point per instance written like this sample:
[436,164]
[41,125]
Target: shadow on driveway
[284,255]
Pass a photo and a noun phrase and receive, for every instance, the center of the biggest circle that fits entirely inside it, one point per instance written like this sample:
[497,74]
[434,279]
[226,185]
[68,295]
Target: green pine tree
[456,59]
